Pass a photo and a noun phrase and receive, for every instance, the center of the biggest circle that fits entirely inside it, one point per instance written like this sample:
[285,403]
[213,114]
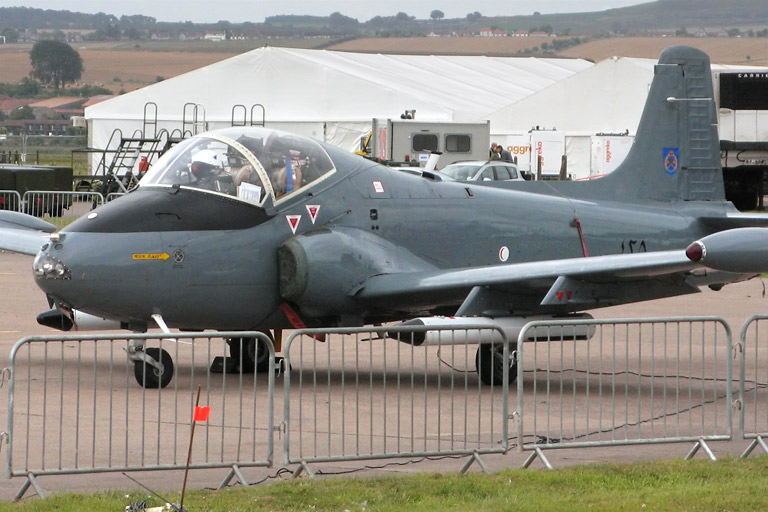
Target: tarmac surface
[21,301]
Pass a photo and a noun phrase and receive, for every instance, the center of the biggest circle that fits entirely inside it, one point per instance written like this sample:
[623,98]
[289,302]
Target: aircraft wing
[736,220]
[574,283]
[23,233]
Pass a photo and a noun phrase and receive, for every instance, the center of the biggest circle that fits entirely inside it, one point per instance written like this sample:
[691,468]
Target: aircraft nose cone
[48,266]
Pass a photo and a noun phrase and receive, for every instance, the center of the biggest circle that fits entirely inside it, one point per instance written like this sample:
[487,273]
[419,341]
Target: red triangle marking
[293,221]
[313,210]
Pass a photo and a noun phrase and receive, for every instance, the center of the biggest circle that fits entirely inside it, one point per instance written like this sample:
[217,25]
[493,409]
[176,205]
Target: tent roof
[322,85]
[608,97]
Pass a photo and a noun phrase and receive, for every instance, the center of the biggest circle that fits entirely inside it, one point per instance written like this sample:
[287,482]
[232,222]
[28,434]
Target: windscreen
[248,163]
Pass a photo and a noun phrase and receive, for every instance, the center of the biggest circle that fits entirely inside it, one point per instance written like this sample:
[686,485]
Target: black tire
[150,377]
[489,361]
[746,200]
[255,354]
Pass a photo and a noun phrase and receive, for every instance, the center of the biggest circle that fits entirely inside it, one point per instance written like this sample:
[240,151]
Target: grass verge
[729,484]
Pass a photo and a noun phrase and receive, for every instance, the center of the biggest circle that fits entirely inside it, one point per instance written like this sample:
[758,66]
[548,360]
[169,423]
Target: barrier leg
[700,444]
[758,441]
[234,472]
[537,452]
[303,467]
[474,458]
[31,481]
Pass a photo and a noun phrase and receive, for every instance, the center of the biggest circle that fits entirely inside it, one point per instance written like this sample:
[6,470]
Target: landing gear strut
[489,361]
[248,354]
[152,367]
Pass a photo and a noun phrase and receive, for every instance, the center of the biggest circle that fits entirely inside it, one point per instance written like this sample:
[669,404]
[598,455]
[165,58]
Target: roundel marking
[504,253]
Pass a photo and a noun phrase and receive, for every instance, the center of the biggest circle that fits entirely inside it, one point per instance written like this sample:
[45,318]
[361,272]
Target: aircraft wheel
[150,377]
[258,352]
[489,361]
[255,357]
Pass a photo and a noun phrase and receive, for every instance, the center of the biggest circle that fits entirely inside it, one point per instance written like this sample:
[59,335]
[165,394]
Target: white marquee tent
[331,95]
[606,99]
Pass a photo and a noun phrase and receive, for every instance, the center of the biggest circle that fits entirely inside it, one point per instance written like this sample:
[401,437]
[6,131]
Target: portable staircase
[130,158]
[122,161]
[239,115]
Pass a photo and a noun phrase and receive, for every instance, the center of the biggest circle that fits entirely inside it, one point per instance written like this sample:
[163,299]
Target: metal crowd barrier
[75,407]
[624,382]
[373,397]
[753,383]
[10,200]
[371,393]
[60,208]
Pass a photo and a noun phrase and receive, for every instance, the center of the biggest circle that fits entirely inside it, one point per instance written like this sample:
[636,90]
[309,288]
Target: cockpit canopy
[249,163]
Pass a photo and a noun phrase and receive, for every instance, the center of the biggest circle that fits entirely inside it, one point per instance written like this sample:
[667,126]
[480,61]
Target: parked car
[419,171]
[481,170]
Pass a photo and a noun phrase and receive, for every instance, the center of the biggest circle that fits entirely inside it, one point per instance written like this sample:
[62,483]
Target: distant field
[752,51]
[129,66]
[135,64]
[125,69]
[505,46]
[721,50]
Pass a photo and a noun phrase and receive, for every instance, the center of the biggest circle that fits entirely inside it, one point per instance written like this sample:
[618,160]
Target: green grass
[725,485]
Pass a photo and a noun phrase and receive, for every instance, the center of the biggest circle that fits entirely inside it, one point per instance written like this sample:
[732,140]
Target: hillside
[661,15]
[126,64]
[654,16]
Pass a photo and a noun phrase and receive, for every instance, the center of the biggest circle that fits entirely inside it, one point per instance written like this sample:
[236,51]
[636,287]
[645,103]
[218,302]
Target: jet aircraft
[249,228]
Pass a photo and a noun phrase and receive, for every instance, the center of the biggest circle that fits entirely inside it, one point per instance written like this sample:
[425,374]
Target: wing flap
[600,268]
[591,281]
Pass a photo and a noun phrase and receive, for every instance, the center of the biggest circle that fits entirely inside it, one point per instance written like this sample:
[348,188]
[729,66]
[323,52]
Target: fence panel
[753,383]
[60,208]
[362,396]
[75,406]
[10,200]
[625,382]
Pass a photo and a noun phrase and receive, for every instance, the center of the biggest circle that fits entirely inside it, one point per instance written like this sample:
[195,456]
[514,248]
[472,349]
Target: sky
[237,11]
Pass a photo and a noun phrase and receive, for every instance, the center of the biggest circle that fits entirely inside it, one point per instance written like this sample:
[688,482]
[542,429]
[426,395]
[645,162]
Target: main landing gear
[246,355]
[489,361]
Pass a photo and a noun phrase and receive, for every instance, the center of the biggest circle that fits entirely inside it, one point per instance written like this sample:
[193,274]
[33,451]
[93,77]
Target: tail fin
[676,152]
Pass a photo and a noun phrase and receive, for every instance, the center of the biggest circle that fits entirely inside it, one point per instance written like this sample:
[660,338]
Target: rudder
[676,152]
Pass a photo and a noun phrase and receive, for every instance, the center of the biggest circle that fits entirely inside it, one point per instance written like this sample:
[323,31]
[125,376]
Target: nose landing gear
[152,367]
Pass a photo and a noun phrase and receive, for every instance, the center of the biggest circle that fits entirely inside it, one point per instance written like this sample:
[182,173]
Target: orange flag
[202,413]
